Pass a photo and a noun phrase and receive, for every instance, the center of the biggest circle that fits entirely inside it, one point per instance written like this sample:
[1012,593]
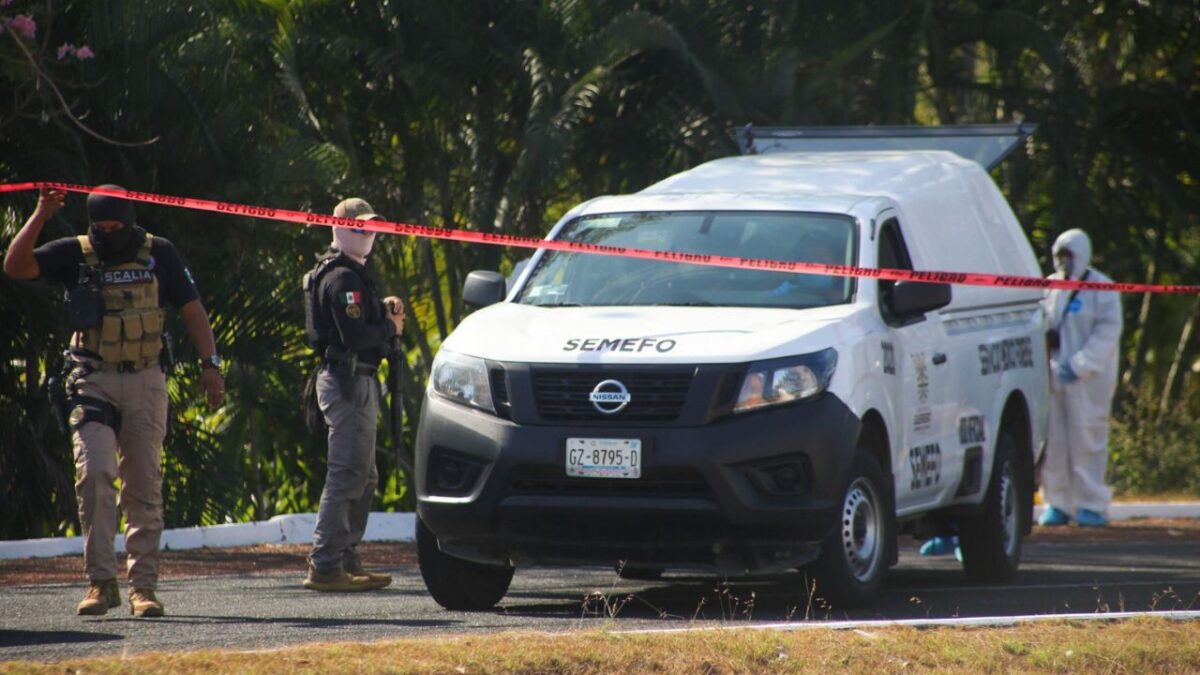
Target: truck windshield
[583,279]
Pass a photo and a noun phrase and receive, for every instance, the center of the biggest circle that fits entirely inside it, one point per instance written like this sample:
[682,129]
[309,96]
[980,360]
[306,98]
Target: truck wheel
[458,584]
[854,558]
[991,542]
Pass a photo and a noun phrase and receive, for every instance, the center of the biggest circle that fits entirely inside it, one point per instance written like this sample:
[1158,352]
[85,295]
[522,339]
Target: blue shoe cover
[939,546]
[1089,518]
[1053,517]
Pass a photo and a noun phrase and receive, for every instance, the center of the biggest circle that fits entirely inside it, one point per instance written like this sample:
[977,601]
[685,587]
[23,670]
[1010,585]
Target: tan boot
[101,597]
[378,579]
[143,603]
[338,581]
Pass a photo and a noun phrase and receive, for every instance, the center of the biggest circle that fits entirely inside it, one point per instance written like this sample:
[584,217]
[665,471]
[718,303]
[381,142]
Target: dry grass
[1136,646]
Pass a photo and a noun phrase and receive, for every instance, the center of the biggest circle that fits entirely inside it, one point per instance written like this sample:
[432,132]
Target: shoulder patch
[353,311]
[350,297]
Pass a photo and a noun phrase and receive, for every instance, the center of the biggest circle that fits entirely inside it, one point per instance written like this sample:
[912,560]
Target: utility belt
[344,368]
[94,362]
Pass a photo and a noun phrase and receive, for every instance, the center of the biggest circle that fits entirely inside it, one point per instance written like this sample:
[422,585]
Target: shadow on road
[26,638]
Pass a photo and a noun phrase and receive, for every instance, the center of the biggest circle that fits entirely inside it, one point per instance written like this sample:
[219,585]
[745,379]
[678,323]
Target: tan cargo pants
[134,456]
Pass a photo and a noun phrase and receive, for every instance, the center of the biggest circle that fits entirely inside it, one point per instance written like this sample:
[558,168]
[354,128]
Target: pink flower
[66,49]
[84,53]
[24,25]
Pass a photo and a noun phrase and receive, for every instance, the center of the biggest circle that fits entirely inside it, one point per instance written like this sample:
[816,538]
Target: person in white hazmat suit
[1083,379]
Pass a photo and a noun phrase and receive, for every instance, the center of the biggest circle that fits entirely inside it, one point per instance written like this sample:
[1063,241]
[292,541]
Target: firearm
[57,392]
[395,385]
[166,357]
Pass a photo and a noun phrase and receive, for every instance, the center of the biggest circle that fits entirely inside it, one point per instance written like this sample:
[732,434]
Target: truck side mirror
[483,288]
[912,298]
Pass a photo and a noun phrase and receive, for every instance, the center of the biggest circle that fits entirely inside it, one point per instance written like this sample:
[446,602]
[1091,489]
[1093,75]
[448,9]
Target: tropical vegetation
[497,116]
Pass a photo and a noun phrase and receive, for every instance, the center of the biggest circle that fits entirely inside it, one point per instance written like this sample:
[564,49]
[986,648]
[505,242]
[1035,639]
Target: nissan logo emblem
[610,396]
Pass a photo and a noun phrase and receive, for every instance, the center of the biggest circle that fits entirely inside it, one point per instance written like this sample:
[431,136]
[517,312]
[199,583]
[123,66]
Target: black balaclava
[118,244]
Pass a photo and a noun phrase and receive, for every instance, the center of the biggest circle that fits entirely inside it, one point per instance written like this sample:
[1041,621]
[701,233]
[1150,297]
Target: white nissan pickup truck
[651,415]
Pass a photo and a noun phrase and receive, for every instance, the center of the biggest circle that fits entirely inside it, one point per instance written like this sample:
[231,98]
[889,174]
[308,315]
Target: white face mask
[353,242]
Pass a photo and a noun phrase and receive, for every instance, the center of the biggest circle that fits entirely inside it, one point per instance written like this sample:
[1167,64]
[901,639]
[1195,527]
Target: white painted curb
[1136,510]
[298,529]
[290,529]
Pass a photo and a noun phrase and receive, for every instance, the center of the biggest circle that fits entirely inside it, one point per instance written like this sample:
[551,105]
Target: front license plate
[604,457]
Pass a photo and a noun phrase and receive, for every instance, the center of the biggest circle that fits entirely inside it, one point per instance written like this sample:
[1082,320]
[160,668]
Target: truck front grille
[562,395]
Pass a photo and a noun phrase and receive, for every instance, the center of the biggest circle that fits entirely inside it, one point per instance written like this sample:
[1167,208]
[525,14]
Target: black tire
[991,541]
[458,584]
[639,573]
[854,559]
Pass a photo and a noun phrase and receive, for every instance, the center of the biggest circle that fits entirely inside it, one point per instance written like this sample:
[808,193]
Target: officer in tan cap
[350,326]
[119,278]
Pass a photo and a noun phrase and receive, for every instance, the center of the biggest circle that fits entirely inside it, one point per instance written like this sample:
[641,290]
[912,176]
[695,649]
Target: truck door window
[893,254]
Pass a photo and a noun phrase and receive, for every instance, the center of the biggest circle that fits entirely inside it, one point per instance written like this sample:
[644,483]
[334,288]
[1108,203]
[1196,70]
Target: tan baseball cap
[355,208]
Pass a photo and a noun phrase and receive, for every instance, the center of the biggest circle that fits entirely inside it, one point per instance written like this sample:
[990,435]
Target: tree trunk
[1177,363]
[1141,345]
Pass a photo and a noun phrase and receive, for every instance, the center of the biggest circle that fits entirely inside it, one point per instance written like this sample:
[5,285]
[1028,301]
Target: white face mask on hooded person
[353,242]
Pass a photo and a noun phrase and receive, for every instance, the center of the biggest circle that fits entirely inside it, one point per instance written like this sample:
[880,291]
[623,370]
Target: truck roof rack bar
[987,144]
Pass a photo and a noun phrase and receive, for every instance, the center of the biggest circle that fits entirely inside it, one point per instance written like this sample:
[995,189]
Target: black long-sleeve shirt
[349,297]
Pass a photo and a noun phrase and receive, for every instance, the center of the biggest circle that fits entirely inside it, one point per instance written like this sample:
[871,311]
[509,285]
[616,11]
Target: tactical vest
[130,331]
[318,326]
[319,329]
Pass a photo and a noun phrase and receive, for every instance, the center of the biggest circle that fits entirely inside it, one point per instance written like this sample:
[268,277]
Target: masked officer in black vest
[350,326]
[118,278]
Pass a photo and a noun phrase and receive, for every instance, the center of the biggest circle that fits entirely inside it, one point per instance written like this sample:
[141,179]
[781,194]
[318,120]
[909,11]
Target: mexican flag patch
[351,298]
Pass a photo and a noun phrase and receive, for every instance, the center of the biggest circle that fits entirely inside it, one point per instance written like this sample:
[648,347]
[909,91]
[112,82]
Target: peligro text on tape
[389,227]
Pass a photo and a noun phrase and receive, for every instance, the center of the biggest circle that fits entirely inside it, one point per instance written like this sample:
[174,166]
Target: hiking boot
[143,603]
[1053,516]
[378,579]
[337,581]
[101,597]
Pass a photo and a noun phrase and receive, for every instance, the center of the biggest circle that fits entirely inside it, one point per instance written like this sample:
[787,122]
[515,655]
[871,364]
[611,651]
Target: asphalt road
[271,610]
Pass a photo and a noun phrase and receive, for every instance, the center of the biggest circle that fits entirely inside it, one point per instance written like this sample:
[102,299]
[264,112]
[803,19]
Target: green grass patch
[1139,646]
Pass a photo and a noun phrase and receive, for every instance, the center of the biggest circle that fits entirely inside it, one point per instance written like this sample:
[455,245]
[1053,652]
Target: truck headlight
[785,380]
[461,378]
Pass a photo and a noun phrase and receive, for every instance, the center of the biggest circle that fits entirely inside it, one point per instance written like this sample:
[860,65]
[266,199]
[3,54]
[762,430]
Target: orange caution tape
[388,227]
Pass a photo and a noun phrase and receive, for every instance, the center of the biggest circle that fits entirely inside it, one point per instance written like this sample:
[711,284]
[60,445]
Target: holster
[341,363]
[314,419]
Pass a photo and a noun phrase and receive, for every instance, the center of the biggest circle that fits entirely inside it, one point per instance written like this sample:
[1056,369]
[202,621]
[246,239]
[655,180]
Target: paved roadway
[271,610]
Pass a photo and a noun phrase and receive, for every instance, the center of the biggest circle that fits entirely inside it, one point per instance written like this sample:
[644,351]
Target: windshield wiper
[557,304]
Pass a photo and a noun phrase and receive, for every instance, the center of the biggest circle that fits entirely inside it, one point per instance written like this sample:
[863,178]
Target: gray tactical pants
[352,478]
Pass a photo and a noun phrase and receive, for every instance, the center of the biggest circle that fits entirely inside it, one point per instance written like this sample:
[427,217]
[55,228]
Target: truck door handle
[938,358]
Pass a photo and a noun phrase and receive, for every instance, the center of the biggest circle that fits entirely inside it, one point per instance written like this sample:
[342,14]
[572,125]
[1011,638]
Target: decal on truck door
[921,369]
[972,430]
[1009,354]
[926,464]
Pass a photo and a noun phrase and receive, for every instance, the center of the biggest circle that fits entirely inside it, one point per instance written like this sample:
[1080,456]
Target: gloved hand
[1063,370]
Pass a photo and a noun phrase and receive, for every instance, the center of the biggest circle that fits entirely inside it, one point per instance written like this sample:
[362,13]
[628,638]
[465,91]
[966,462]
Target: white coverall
[1077,438]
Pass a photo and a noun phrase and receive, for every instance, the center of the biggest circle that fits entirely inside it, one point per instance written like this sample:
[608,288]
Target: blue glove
[1065,374]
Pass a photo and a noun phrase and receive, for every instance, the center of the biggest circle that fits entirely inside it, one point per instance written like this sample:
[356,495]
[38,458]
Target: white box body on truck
[655,415]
